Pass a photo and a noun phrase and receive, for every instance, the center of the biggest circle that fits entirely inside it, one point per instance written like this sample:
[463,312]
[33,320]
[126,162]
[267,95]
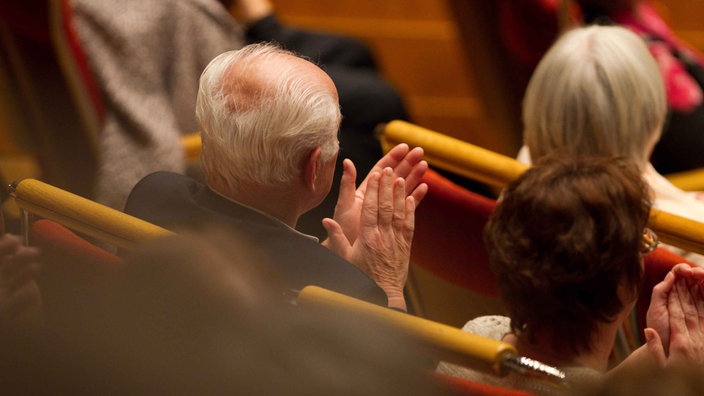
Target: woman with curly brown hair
[566,244]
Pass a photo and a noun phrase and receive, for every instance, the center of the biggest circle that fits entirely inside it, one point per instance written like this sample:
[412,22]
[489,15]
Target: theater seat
[440,341]
[450,280]
[60,107]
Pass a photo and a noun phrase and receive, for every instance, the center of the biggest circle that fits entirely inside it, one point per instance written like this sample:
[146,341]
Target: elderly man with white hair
[269,127]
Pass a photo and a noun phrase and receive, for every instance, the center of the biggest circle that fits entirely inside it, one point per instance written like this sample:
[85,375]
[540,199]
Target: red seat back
[448,238]
[59,108]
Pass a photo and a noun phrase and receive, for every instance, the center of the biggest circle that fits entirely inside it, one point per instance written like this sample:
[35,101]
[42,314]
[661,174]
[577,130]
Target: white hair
[257,128]
[597,91]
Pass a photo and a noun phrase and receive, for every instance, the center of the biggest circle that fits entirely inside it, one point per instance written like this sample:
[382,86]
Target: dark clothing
[172,201]
[320,47]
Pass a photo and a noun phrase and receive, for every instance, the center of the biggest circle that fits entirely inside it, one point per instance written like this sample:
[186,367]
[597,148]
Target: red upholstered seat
[448,237]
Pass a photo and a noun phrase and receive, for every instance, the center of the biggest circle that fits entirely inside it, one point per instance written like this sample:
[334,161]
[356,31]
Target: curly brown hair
[563,240]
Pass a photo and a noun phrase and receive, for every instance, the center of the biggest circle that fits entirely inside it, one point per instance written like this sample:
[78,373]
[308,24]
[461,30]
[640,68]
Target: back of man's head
[262,110]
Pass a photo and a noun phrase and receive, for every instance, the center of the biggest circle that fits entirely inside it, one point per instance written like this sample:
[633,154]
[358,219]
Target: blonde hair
[597,91]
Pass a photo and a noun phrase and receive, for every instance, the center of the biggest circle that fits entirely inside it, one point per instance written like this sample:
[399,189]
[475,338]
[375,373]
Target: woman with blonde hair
[598,91]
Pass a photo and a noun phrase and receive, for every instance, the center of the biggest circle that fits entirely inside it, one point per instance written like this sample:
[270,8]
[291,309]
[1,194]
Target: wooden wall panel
[417,47]
[389,9]
[686,18]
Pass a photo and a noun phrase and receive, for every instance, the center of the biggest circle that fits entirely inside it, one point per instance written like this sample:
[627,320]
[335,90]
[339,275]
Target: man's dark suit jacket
[171,200]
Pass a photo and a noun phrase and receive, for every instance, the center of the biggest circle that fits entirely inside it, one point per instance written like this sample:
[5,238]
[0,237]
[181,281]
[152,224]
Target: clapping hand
[383,245]
[406,164]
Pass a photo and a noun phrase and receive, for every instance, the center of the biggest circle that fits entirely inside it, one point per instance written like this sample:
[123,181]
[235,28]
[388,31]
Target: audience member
[598,91]
[146,58]
[269,128]
[566,244]
[198,314]
[682,70]
[528,27]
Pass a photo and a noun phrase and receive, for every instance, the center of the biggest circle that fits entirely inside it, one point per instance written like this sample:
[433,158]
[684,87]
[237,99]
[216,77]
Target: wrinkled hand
[679,337]
[405,164]
[383,247]
[686,306]
[658,316]
[20,299]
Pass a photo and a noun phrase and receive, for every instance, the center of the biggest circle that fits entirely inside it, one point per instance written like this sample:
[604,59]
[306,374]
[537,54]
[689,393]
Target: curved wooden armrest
[454,155]
[448,343]
[191,145]
[498,170]
[677,230]
[691,180]
[445,342]
[83,215]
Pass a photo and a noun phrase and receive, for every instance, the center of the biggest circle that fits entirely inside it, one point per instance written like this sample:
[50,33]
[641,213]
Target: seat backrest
[49,76]
[450,280]
[448,235]
[82,215]
[511,36]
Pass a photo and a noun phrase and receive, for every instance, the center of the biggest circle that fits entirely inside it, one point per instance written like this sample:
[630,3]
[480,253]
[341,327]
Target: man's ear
[311,168]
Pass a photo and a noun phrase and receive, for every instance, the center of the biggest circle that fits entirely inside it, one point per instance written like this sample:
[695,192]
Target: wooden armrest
[191,145]
[498,170]
[446,342]
[677,230]
[454,155]
[692,180]
[83,215]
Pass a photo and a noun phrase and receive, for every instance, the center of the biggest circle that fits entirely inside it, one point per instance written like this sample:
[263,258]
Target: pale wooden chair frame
[82,215]
[497,170]
[444,342]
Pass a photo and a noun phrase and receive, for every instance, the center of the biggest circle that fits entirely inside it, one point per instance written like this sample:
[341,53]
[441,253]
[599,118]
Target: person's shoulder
[165,178]
[158,191]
